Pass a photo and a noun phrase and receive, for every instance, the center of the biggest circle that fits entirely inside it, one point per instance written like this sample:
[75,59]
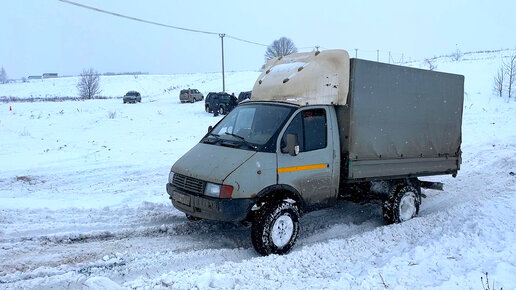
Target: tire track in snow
[203,241]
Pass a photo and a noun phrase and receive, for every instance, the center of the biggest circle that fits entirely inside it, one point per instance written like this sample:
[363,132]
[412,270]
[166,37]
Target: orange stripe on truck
[301,168]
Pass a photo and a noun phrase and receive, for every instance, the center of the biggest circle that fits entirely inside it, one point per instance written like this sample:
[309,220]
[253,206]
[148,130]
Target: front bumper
[209,207]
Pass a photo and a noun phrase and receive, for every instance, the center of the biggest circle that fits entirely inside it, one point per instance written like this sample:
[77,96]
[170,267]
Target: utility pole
[356,52]
[222,35]
[377,55]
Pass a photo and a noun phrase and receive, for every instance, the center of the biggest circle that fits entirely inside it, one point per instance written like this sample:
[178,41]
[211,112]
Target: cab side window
[310,127]
[314,123]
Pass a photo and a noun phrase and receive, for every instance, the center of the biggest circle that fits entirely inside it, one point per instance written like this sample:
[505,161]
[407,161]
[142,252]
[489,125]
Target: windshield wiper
[211,141]
[243,139]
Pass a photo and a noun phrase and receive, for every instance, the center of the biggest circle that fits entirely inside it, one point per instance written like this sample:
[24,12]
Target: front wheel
[275,228]
[222,111]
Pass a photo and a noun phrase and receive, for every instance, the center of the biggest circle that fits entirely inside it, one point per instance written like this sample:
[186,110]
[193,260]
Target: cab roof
[309,78]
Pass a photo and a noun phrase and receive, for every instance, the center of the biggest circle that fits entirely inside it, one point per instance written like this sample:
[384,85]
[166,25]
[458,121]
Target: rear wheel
[402,205]
[222,111]
[207,108]
[275,228]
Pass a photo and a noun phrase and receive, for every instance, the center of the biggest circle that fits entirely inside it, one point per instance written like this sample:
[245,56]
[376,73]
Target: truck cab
[261,153]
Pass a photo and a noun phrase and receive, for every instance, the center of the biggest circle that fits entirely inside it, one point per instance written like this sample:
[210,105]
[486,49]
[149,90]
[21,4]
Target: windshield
[253,127]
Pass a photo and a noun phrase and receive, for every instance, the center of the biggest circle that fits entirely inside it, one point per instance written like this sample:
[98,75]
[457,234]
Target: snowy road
[345,245]
[460,233]
[83,204]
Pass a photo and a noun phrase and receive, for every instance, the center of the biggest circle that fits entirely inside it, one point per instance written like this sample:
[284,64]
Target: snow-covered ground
[150,86]
[83,201]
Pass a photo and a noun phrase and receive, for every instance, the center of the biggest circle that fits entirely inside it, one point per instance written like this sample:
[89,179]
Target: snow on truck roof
[307,78]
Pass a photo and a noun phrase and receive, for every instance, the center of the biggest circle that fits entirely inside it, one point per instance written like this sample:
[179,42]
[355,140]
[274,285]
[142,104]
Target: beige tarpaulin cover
[306,78]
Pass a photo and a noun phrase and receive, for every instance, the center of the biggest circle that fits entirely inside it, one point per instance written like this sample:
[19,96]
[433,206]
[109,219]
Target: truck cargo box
[400,121]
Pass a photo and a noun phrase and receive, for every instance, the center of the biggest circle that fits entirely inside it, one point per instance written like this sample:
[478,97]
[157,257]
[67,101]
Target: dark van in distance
[222,102]
[244,96]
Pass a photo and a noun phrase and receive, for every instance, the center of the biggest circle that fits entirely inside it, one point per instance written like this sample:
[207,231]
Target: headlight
[212,190]
[170,177]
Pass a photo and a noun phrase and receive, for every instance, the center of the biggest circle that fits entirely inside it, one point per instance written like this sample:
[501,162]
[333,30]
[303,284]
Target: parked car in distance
[244,96]
[190,96]
[210,100]
[222,102]
[132,97]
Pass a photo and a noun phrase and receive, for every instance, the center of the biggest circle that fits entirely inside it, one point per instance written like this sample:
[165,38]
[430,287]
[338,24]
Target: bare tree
[280,47]
[430,63]
[456,55]
[499,82]
[3,76]
[89,83]
[510,72]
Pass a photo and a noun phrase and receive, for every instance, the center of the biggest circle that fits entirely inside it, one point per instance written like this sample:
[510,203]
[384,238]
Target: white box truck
[322,127]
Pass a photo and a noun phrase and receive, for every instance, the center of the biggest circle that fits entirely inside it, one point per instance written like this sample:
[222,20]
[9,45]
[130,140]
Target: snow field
[83,201]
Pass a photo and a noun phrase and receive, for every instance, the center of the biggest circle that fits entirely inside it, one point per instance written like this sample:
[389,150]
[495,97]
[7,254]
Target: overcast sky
[41,36]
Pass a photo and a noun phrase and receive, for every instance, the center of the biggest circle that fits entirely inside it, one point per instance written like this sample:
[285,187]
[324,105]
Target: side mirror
[210,128]
[292,147]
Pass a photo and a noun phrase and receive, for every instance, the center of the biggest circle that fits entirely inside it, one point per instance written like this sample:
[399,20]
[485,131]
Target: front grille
[188,183]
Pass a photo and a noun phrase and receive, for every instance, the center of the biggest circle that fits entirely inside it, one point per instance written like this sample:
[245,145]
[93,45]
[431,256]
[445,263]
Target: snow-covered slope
[115,86]
[83,201]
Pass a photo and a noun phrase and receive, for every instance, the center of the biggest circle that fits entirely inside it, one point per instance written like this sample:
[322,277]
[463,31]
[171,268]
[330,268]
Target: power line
[157,23]
[243,40]
[186,29]
[136,19]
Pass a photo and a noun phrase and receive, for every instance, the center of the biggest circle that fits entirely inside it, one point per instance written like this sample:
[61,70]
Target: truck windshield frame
[251,126]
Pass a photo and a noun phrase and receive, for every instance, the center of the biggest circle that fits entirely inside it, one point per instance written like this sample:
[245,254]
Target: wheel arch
[393,184]
[280,192]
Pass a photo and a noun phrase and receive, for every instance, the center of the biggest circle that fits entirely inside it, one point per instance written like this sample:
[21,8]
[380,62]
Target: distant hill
[115,86]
